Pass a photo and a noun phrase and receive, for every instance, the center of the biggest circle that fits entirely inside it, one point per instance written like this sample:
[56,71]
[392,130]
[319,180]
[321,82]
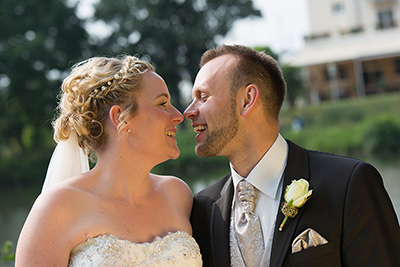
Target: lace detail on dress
[174,249]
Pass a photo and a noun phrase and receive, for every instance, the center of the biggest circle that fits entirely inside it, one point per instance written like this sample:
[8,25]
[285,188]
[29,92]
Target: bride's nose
[176,116]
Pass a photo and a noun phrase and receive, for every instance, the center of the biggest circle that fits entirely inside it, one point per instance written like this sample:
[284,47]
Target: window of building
[385,19]
[326,75]
[335,72]
[397,65]
[337,8]
[372,77]
[342,72]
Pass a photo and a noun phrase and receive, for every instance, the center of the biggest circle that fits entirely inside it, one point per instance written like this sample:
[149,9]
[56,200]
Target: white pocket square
[307,239]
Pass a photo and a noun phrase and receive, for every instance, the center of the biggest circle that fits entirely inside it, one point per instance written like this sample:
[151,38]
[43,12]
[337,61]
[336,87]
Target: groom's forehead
[215,71]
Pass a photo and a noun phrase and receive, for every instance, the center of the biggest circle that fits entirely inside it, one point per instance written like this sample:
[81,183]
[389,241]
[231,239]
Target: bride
[118,213]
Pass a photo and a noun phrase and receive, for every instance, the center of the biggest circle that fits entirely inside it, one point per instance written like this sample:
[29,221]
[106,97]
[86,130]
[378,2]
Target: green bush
[335,139]
[355,127]
[7,252]
[382,137]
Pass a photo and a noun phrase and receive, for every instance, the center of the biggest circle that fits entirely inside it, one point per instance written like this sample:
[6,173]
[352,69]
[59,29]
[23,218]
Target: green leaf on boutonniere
[296,195]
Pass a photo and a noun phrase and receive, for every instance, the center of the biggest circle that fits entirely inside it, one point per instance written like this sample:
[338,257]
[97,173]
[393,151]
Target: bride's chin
[176,154]
[172,156]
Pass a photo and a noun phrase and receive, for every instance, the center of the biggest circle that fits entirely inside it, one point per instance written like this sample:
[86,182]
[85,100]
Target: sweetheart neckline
[156,239]
[173,249]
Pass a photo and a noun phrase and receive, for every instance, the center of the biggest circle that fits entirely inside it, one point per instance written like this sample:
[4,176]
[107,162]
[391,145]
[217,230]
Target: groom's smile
[200,128]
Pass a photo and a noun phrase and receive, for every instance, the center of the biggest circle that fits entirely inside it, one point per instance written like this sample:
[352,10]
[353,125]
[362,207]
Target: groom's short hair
[253,67]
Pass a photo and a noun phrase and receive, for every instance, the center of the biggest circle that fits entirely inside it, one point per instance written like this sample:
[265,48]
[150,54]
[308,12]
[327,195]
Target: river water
[15,203]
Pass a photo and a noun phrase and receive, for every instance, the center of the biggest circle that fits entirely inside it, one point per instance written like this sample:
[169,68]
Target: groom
[349,219]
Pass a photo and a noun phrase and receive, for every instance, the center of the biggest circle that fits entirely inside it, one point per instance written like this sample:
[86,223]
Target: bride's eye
[164,104]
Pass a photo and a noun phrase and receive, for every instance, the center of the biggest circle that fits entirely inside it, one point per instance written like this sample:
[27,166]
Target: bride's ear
[115,114]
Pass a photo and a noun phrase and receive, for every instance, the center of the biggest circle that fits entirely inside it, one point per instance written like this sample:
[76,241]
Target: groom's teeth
[172,134]
[200,128]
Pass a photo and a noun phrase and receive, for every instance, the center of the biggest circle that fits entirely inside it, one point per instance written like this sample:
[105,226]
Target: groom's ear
[250,97]
[115,114]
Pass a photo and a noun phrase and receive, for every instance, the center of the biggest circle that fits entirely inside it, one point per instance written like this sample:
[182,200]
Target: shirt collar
[266,175]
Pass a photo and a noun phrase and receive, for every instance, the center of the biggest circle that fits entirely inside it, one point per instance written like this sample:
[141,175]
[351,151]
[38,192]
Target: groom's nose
[191,111]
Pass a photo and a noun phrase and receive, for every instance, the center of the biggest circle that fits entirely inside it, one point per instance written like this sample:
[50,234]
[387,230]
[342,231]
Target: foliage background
[41,39]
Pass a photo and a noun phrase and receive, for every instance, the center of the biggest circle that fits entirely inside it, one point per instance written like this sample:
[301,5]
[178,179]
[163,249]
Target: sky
[283,25]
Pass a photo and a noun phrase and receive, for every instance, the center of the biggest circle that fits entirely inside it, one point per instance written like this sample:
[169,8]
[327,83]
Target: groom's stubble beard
[219,138]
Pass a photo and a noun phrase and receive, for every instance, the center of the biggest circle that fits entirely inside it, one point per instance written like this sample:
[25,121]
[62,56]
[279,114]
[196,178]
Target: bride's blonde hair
[88,93]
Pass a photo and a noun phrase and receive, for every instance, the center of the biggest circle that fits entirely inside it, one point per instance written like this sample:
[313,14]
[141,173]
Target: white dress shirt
[266,176]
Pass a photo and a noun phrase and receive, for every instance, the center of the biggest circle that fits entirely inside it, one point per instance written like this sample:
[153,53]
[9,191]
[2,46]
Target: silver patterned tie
[249,233]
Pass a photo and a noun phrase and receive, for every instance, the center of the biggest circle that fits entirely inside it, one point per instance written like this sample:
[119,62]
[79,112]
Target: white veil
[68,160]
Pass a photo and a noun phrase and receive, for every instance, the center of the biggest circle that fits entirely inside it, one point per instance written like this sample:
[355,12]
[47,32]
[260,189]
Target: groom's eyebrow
[197,92]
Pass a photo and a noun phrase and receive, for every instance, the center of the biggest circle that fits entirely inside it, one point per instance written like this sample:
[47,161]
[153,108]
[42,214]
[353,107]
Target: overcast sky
[282,28]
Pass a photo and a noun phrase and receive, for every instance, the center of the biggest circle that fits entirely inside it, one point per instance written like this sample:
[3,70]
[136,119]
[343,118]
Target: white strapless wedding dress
[174,249]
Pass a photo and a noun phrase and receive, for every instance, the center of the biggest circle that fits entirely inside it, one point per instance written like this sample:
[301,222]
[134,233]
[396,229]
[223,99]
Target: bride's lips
[171,133]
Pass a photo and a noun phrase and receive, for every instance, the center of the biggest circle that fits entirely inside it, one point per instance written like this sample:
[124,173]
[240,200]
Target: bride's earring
[129,130]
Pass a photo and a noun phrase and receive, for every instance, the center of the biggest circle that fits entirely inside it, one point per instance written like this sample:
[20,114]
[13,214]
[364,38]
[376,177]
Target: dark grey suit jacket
[349,207]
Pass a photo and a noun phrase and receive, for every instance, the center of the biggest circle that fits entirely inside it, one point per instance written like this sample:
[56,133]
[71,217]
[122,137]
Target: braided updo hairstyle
[88,93]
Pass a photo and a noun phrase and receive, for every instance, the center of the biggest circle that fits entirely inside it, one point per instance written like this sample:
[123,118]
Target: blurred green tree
[267,51]
[38,39]
[41,39]
[172,34]
[294,82]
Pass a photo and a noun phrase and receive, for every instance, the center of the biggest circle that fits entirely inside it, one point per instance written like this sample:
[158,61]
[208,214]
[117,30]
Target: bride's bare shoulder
[175,189]
[67,196]
[169,182]
[55,218]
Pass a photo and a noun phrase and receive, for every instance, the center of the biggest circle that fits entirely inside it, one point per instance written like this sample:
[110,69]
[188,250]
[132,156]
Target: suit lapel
[297,167]
[220,218]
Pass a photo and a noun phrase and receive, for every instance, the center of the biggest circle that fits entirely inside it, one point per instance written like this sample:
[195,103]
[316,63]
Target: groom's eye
[203,97]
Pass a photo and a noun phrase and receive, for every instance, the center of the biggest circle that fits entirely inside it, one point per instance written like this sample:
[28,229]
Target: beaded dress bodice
[174,249]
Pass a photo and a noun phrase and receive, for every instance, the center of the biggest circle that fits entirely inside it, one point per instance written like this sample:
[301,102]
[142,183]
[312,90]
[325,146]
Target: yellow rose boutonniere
[296,195]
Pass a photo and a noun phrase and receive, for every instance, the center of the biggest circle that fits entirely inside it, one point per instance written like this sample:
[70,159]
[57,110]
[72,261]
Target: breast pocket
[323,255]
